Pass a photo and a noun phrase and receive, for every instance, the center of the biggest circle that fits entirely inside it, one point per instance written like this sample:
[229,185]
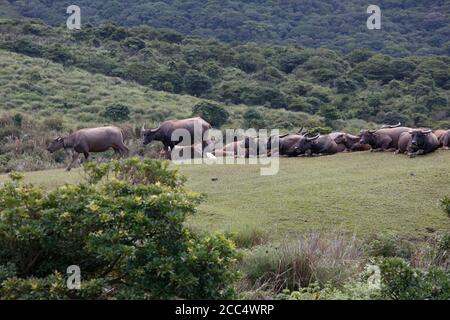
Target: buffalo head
[56,145]
[419,138]
[341,139]
[305,143]
[367,137]
[149,135]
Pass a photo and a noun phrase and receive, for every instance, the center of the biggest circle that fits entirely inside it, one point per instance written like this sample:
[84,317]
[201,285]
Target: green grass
[362,193]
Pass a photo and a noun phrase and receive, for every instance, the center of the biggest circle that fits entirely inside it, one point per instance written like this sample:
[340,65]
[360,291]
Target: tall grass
[297,263]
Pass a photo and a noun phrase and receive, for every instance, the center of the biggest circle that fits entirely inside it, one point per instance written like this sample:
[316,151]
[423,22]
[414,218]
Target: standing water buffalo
[91,140]
[417,142]
[385,139]
[443,137]
[318,145]
[195,128]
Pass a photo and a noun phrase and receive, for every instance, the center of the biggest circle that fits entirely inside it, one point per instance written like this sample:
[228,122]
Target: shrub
[353,290]
[17,119]
[254,119]
[124,228]
[197,83]
[389,246]
[117,112]
[402,282]
[446,205]
[250,237]
[214,113]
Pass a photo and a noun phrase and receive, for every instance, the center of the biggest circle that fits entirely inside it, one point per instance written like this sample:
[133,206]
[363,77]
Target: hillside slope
[45,89]
[362,85]
[417,26]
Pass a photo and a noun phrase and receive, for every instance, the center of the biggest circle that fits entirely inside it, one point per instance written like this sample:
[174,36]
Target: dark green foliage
[17,119]
[365,85]
[197,83]
[401,282]
[446,205]
[254,119]
[389,246]
[407,26]
[124,228]
[213,113]
[117,112]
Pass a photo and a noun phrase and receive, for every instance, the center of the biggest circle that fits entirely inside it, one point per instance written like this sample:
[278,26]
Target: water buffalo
[343,144]
[359,147]
[194,151]
[404,142]
[195,128]
[255,146]
[352,143]
[422,142]
[223,153]
[443,137]
[235,148]
[286,145]
[318,145]
[382,139]
[91,140]
[417,142]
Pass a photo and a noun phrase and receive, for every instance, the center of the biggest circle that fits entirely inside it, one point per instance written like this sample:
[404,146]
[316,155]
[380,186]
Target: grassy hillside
[344,89]
[45,89]
[417,26]
[362,193]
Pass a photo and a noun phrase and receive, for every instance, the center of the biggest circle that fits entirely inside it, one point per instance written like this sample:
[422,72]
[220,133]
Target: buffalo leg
[74,158]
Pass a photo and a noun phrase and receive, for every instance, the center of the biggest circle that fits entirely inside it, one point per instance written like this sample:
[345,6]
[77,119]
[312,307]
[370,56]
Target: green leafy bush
[214,113]
[124,228]
[446,205]
[400,281]
[389,246]
[117,112]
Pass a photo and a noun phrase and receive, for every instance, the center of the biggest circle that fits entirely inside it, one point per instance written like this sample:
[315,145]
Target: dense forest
[339,87]
[408,26]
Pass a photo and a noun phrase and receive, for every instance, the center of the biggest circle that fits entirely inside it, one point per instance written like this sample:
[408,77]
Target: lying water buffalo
[235,148]
[318,145]
[385,139]
[341,140]
[255,146]
[91,140]
[417,142]
[223,153]
[285,145]
[194,151]
[352,143]
[359,146]
[194,128]
[443,137]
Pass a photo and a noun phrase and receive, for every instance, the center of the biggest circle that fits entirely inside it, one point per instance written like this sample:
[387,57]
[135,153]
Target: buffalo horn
[313,138]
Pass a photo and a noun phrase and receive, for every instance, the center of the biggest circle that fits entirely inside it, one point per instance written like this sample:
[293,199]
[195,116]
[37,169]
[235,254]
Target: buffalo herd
[190,136]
